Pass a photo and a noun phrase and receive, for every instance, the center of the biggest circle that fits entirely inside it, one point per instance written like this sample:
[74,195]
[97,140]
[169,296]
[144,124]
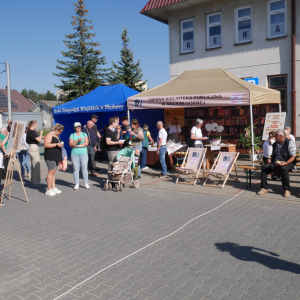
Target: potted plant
[245,141]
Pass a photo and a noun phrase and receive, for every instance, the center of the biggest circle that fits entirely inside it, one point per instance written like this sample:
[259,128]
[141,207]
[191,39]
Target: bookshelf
[233,119]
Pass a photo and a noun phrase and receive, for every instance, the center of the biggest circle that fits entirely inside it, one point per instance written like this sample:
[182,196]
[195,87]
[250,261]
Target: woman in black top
[33,139]
[53,155]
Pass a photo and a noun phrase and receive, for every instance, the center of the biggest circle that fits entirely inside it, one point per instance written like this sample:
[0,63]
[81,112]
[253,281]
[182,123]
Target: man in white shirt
[162,147]
[290,135]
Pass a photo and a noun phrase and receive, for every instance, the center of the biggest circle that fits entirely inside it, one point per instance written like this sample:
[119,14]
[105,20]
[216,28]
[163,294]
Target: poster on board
[273,122]
[16,136]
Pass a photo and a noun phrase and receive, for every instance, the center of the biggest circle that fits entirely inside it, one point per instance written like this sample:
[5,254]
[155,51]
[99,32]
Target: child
[128,136]
[137,159]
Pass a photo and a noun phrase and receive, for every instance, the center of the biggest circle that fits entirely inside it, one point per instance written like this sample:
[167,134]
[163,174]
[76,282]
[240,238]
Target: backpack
[103,145]
[190,142]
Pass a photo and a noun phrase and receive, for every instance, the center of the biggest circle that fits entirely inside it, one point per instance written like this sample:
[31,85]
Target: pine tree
[90,65]
[127,71]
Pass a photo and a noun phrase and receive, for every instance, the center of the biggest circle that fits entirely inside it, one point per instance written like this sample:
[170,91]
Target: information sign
[273,122]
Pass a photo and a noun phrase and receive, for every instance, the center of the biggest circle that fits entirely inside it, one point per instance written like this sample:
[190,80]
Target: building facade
[249,38]
[45,108]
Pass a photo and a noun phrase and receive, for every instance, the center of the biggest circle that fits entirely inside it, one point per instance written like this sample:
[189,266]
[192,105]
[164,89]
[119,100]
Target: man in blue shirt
[91,146]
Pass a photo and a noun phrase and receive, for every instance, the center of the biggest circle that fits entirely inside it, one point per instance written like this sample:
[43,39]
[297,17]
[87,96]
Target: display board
[16,136]
[273,122]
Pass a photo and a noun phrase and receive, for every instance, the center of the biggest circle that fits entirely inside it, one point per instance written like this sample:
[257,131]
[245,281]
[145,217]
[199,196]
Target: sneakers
[76,187]
[287,194]
[94,175]
[162,176]
[262,191]
[145,168]
[56,190]
[50,193]
[87,186]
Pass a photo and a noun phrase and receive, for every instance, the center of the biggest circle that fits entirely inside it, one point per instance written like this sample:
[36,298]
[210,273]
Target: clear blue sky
[32,32]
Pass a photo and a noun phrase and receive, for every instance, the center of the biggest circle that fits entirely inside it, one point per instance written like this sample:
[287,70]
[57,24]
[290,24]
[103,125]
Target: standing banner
[273,122]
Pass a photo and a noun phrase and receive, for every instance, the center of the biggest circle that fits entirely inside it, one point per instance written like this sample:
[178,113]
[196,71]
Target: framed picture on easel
[16,137]
[14,146]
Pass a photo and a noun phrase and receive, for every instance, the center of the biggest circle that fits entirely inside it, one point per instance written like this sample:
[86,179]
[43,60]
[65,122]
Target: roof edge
[155,17]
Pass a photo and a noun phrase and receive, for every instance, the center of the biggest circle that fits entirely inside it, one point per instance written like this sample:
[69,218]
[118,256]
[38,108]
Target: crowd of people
[279,151]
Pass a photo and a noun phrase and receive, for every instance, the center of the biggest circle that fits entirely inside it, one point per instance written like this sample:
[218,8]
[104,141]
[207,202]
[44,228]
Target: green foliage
[126,71]
[35,97]
[89,65]
[25,93]
[245,140]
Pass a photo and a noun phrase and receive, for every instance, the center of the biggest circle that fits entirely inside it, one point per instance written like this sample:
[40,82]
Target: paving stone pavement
[247,249]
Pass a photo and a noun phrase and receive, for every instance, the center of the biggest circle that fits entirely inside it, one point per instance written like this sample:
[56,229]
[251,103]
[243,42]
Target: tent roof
[207,83]
[107,98]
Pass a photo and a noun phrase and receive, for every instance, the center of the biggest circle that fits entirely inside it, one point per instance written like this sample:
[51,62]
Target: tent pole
[128,115]
[279,107]
[252,133]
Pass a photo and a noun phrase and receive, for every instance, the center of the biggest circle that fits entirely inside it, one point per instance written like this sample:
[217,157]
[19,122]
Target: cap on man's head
[94,116]
[77,124]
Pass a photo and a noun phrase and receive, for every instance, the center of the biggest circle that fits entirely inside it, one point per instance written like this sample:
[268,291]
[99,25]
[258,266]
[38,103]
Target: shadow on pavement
[248,253]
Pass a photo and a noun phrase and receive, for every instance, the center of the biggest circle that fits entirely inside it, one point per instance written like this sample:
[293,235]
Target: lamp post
[19,105]
[78,56]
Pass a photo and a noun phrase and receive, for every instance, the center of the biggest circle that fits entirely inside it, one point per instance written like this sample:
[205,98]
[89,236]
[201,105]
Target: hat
[94,116]
[77,124]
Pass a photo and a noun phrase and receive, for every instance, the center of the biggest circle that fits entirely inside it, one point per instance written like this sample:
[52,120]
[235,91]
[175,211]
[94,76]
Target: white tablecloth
[169,149]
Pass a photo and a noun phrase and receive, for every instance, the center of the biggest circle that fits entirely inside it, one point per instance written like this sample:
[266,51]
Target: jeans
[200,146]
[24,160]
[284,170]
[80,161]
[141,148]
[91,155]
[162,159]
[144,157]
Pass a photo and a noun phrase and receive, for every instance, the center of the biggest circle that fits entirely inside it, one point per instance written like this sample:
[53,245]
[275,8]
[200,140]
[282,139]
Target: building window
[187,35]
[243,25]
[279,83]
[214,24]
[276,18]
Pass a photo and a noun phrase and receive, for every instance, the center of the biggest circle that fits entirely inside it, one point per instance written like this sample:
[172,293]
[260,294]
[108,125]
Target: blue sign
[254,80]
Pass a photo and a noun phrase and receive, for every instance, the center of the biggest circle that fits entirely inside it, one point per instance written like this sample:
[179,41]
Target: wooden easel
[10,171]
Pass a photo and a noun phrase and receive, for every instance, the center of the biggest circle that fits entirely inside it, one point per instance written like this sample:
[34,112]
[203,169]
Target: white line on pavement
[148,245]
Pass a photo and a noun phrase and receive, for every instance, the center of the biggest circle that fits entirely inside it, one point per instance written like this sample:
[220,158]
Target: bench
[248,170]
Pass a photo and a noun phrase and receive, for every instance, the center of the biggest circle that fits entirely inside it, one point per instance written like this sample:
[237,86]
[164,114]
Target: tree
[127,71]
[50,96]
[89,64]
[25,93]
[33,95]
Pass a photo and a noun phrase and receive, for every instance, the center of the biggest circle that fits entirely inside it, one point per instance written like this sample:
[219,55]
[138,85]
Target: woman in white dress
[174,130]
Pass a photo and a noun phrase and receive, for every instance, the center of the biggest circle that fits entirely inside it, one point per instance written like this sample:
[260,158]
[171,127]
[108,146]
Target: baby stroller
[121,172]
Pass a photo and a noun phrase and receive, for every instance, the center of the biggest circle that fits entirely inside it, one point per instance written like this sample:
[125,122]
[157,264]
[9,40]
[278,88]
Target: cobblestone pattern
[245,250]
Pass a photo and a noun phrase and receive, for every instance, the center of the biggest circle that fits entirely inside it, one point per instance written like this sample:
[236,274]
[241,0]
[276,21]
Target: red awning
[152,4]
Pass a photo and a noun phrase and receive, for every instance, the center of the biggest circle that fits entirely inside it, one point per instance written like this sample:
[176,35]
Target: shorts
[51,164]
